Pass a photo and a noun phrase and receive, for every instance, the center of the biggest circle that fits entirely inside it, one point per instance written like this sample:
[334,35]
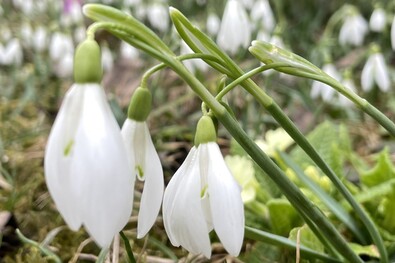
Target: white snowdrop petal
[381,73]
[225,200]
[185,220]
[100,169]
[58,155]
[367,75]
[235,28]
[377,20]
[153,187]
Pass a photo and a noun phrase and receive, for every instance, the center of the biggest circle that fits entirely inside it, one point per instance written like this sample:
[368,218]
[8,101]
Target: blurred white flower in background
[353,30]
[12,53]
[192,65]
[213,24]
[61,52]
[377,20]
[158,16]
[26,33]
[248,4]
[349,84]
[235,30]
[107,58]
[322,90]
[262,15]
[128,52]
[375,72]
[40,39]
[72,13]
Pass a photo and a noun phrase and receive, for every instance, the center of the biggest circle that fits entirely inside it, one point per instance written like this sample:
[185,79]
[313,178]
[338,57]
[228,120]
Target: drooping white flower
[353,30]
[158,16]
[375,71]
[261,12]
[148,168]
[201,196]
[377,20]
[192,64]
[64,67]
[393,34]
[107,58]
[322,90]
[213,24]
[235,30]
[87,170]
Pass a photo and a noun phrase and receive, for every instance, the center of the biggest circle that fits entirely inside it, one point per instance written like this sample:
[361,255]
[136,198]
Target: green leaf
[382,172]
[370,250]
[283,216]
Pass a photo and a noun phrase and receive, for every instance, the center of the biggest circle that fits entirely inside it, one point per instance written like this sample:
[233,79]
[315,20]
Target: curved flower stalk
[86,168]
[375,71]
[142,153]
[202,196]
[235,30]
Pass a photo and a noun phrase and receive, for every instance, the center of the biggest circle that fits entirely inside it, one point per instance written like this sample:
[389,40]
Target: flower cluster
[91,166]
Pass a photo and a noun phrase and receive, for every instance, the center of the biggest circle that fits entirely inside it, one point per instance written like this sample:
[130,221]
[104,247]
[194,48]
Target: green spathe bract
[205,131]
[140,104]
[87,63]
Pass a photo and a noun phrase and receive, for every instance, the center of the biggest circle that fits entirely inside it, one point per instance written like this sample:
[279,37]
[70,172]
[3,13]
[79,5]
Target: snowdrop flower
[158,16]
[72,13]
[128,52]
[353,30]
[202,196]
[11,54]
[86,166]
[322,90]
[262,12]
[60,45]
[213,24]
[375,71]
[393,34]
[192,65]
[40,39]
[64,67]
[235,28]
[377,20]
[142,153]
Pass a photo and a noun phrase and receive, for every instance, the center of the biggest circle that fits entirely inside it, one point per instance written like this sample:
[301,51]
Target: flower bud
[205,131]
[87,63]
[140,104]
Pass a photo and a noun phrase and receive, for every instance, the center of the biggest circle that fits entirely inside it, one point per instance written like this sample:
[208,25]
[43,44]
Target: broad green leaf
[283,216]
[370,250]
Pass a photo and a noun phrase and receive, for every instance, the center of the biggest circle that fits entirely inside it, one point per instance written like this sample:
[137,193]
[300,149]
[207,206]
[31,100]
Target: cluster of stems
[135,33]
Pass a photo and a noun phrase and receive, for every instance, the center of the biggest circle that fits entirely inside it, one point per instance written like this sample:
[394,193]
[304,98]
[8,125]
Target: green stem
[248,75]
[128,248]
[291,191]
[280,241]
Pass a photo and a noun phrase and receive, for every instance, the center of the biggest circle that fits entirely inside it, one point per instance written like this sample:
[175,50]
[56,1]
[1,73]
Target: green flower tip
[140,104]
[205,131]
[87,62]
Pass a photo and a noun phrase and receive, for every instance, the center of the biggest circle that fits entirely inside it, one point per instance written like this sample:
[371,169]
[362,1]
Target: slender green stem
[293,193]
[246,76]
[128,248]
[280,241]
